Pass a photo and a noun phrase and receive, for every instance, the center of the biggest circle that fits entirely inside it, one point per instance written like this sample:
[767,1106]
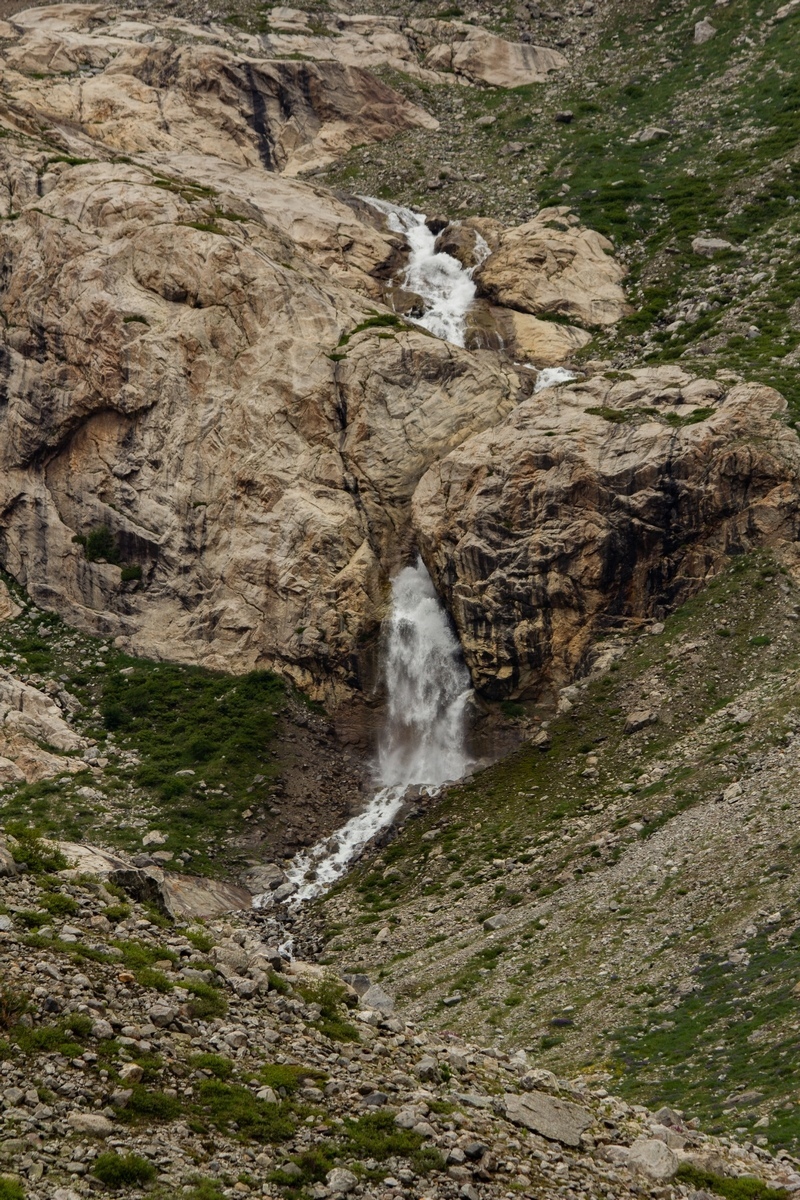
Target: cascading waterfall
[424,737]
[446,287]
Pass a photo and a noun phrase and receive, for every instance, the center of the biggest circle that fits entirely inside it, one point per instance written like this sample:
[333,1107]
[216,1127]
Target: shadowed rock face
[563,517]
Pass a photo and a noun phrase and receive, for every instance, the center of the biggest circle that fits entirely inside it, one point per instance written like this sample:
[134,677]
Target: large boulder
[602,499]
[553,266]
[558,1120]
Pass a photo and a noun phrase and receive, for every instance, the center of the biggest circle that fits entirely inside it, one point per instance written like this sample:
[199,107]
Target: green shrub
[10,1189]
[13,1005]
[207,1002]
[200,940]
[40,858]
[118,1170]
[226,1104]
[741,1188]
[216,1064]
[376,1136]
[287,1076]
[131,571]
[330,996]
[150,1105]
[100,543]
[59,905]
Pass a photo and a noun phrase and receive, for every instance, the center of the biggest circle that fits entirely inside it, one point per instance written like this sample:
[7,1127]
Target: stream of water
[424,736]
[446,287]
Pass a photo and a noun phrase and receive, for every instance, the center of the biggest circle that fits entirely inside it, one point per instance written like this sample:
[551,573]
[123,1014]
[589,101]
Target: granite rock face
[596,501]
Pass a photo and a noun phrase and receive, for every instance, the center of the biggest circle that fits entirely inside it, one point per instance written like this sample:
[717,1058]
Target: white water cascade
[423,740]
[446,287]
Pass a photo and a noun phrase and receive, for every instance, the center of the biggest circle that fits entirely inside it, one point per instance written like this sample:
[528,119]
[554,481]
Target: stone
[94,1124]
[427,1069]
[704,31]
[482,57]
[162,1015]
[558,1120]
[8,868]
[154,838]
[102,1030]
[6,924]
[131,1072]
[653,1158]
[376,997]
[341,1182]
[533,532]
[549,265]
[709,246]
[497,922]
[639,719]
[652,133]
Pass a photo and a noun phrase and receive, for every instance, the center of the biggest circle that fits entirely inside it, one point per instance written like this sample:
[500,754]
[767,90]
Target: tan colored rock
[587,502]
[9,609]
[558,1120]
[554,265]
[149,93]
[546,342]
[190,397]
[483,57]
[28,718]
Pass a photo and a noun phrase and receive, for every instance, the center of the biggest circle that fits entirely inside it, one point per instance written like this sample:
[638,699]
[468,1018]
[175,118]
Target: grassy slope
[620,920]
[150,720]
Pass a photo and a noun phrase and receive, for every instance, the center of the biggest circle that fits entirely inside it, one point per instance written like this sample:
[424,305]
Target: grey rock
[559,1120]
[102,1029]
[427,1069]
[6,924]
[162,1015]
[639,719]
[376,997]
[704,31]
[7,865]
[341,1182]
[94,1124]
[653,1158]
[709,246]
[498,922]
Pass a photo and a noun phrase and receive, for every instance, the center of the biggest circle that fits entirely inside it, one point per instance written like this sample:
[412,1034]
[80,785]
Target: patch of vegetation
[233,1109]
[123,1170]
[100,545]
[330,996]
[10,1189]
[378,321]
[207,1002]
[215,1064]
[742,1187]
[39,857]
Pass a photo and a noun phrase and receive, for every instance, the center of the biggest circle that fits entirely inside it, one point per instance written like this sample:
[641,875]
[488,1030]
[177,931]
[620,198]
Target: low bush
[118,1170]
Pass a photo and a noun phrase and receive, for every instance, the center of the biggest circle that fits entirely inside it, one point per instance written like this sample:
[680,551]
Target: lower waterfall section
[423,742]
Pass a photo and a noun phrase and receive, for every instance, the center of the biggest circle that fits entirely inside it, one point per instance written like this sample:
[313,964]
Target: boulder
[341,1182]
[559,1120]
[653,1158]
[709,246]
[93,1124]
[482,57]
[554,266]
[600,499]
[376,997]
[639,719]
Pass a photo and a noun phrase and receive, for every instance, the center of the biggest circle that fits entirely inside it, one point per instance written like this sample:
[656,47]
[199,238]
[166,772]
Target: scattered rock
[559,1120]
[652,1157]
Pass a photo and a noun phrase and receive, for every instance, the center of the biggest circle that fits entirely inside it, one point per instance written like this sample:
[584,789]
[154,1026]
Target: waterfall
[427,688]
[423,740]
[446,287]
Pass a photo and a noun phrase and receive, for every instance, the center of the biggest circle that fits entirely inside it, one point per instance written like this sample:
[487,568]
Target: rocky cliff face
[210,435]
[602,501]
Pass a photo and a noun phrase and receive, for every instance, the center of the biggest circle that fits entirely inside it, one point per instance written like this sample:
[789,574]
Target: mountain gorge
[294,299]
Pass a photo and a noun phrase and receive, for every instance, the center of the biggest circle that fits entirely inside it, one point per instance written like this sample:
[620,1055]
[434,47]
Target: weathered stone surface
[653,1158]
[268,540]
[552,265]
[149,93]
[29,717]
[430,49]
[95,1124]
[559,1120]
[483,57]
[560,514]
